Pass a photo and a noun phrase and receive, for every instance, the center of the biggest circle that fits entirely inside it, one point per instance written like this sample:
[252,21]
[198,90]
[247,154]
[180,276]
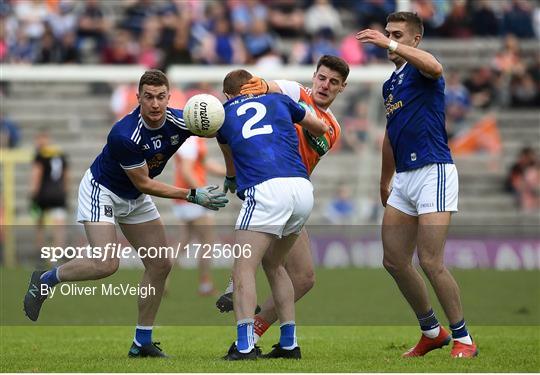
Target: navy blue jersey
[131,144]
[415,119]
[261,134]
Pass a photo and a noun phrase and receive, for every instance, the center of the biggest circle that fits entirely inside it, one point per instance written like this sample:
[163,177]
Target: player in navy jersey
[425,189]
[260,146]
[117,188]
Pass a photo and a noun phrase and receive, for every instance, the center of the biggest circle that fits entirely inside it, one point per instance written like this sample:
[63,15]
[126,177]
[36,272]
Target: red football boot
[425,345]
[461,350]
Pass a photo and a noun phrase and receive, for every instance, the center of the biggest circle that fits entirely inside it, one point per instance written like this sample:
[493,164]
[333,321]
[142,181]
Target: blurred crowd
[508,81]
[158,33]
[523,180]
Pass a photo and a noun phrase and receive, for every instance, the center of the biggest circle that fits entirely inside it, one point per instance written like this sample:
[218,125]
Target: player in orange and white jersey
[191,169]
[328,81]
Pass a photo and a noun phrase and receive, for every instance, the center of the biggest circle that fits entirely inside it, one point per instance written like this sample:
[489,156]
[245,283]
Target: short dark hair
[153,77]
[234,80]
[410,18]
[336,64]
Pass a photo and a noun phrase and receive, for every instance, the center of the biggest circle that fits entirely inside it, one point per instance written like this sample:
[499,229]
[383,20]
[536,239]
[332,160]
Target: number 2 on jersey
[260,112]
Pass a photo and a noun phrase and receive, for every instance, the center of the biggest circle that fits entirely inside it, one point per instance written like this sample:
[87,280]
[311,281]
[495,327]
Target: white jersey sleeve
[289,88]
[188,150]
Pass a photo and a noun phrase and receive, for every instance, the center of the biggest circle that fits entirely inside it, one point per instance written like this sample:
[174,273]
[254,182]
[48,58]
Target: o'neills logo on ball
[205,122]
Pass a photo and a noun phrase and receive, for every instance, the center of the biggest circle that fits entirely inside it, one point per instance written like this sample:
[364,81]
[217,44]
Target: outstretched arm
[422,60]
[202,196]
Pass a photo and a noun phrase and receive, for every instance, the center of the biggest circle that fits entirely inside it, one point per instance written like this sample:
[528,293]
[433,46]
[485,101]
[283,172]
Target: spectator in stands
[323,43]
[120,50]
[457,23]
[433,13]
[22,50]
[258,41]
[31,15]
[508,59]
[149,55]
[523,91]
[356,126]
[136,13]
[245,12]
[175,37]
[92,27]
[517,19]
[70,52]
[221,45]
[322,15]
[63,21]
[481,87]
[484,21]
[370,11]
[457,103]
[524,180]
[10,135]
[341,209]
[49,51]
[286,18]
[375,54]
[351,51]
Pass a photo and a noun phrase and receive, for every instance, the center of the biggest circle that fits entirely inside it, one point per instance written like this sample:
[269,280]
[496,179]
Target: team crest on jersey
[175,139]
[156,161]
[108,210]
[391,106]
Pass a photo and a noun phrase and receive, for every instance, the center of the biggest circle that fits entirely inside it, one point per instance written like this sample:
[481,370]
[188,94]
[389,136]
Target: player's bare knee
[303,283]
[392,266]
[431,267]
[108,267]
[161,268]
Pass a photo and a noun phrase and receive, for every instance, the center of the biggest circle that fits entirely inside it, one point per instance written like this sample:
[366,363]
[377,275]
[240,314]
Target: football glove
[255,86]
[229,184]
[206,197]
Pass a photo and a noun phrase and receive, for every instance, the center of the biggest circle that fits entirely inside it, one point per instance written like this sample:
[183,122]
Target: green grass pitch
[353,321]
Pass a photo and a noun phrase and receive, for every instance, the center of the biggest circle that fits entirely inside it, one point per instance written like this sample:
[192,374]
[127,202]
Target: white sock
[432,333]
[465,340]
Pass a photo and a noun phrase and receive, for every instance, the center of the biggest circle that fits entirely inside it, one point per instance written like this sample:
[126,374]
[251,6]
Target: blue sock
[428,320]
[460,333]
[429,324]
[50,277]
[246,341]
[287,340]
[143,335]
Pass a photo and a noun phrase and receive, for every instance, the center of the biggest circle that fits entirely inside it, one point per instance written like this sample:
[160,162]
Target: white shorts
[57,213]
[189,211]
[97,203]
[279,206]
[432,188]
